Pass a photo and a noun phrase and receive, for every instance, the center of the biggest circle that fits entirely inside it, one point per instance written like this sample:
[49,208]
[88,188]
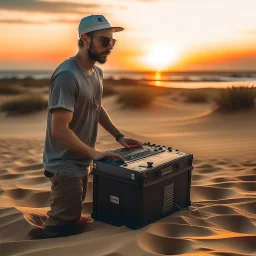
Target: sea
[189,79]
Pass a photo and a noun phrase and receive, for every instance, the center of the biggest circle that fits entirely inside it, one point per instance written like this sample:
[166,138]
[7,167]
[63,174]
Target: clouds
[52,8]
[32,22]
[13,21]
[49,7]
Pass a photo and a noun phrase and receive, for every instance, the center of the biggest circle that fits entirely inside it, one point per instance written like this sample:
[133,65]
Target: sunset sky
[158,35]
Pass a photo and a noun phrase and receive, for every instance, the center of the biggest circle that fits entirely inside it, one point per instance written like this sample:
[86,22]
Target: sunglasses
[105,41]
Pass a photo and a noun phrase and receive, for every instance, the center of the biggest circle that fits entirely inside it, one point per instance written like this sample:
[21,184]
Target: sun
[160,56]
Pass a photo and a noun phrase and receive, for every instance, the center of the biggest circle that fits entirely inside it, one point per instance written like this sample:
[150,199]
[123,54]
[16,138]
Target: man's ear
[86,39]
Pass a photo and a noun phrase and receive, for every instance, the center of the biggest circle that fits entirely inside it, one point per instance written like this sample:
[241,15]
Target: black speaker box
[126,197]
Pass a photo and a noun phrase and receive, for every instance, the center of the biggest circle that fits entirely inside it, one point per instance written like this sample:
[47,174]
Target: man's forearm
[107,124]
[68,138]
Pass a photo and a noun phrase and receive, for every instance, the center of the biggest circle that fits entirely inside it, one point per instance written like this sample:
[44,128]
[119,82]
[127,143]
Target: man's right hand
[98,155]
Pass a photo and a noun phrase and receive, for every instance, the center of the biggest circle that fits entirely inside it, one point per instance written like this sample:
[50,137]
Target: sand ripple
[223,223]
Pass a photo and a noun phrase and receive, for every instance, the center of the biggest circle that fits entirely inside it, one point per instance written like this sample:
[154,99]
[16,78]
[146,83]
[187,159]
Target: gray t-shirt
[69,89]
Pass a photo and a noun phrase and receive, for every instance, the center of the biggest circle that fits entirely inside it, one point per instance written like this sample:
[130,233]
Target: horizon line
[147,71]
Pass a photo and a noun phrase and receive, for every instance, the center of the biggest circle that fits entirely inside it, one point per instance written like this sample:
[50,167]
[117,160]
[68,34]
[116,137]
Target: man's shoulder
[65,69]
[99,70]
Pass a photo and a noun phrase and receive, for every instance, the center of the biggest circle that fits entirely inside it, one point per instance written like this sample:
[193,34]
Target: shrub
[122,81]
[108,90]
[10,90]
[236,98]
[25,104]
[137,97]
[35,83]
[10,81]
[196,97]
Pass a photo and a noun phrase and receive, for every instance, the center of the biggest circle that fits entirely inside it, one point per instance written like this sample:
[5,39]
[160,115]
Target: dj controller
[138,152]
[153,181]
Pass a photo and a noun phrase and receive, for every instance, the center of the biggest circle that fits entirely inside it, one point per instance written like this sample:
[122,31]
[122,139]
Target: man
[74,112]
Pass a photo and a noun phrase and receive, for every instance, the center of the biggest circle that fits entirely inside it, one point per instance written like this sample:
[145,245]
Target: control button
[160,148]
[170,149]
[156,149]
[150,164]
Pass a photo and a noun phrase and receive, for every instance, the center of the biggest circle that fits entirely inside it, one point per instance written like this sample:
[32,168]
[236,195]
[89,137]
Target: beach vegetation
[195,97]
[24,104]
[30,82]
[109,90]
[236,98]
[140,97]
[10,90]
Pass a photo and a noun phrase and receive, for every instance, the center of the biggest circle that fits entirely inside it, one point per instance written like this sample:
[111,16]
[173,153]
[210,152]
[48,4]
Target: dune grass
[109,90]
[14,86]
[235,99]
[10,90]
[29,82]
[140,97]
[195,97]
[121,81]
[10,81]
[25,104]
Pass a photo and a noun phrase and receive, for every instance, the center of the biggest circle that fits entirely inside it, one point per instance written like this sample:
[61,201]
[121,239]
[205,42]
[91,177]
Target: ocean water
[164,79]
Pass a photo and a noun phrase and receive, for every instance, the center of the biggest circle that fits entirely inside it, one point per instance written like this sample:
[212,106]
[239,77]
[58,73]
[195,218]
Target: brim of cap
[117,29]
[114,29]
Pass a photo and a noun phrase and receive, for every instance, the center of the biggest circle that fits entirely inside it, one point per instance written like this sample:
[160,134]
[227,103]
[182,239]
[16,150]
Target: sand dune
[222,220]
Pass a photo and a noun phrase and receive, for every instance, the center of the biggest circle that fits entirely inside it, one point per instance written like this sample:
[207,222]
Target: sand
[222,220]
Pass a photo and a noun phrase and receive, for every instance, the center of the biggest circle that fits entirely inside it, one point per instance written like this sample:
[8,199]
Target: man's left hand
[129,143]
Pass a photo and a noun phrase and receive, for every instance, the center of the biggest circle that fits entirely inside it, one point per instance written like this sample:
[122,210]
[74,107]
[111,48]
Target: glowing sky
[165,34]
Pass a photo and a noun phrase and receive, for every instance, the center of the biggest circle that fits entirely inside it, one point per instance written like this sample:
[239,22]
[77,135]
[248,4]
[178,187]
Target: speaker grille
[168,198]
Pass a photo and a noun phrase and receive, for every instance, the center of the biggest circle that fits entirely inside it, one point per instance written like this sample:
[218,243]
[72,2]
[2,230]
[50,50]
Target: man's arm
[61,132]
[107,124]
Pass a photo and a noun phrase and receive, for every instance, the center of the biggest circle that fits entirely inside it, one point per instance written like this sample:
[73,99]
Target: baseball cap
[94,23]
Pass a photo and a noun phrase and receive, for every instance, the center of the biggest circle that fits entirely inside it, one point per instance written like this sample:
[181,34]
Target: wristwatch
[120,135]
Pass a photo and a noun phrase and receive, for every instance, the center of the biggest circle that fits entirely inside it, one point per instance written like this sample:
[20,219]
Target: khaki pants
[67,196]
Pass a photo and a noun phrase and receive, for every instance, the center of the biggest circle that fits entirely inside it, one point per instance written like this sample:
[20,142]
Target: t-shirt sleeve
[100,72]
[63,92]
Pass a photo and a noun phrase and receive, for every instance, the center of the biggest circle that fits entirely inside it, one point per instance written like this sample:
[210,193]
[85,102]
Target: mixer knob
[170,149]
[160,148]
[150,164]
[153,144]
[148,143]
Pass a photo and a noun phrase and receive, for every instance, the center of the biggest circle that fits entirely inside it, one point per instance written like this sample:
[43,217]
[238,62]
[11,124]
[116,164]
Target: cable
[199,213]
[200,216]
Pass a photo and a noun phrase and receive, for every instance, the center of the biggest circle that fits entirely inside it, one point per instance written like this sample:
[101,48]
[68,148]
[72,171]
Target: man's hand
[98,155]
[129,143]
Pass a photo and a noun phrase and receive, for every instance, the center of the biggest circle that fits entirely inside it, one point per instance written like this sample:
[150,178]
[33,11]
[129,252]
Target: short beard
[96,57]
